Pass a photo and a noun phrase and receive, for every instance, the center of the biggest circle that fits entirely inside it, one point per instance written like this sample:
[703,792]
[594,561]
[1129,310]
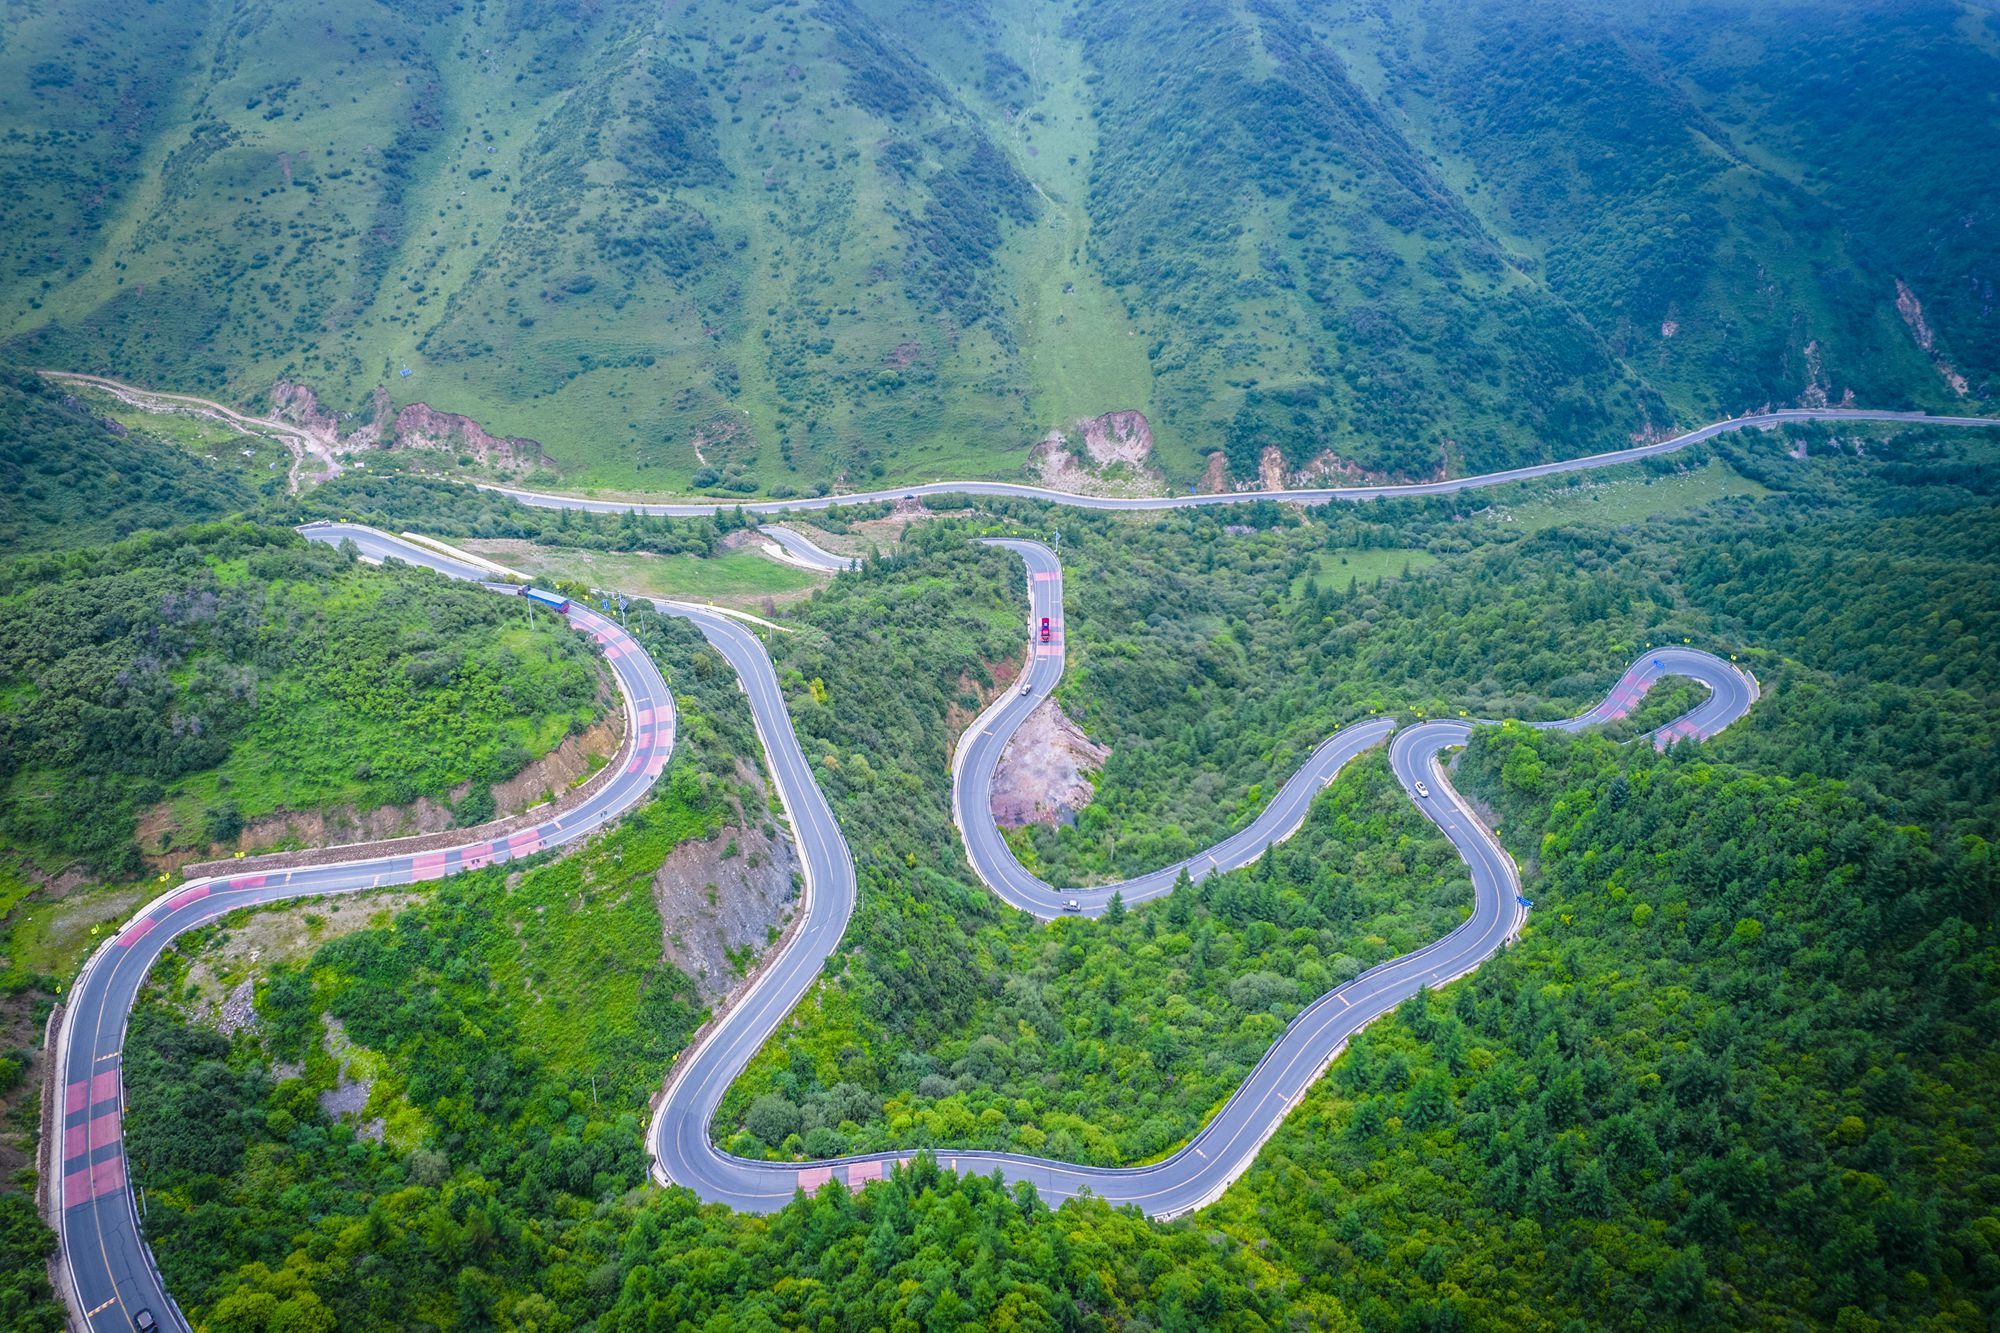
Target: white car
[1072,906]
[1027,687]
[1422,790]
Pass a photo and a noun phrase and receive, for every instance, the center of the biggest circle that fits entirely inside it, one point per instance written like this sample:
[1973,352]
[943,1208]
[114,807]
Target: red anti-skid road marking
[428,866]
[863,1172]
[523,843]
[183,899]
[247,882]
[78,1140]
[1046,576]
[94,1181]
[137,931]
[107,1177]
[475,858]
[645,715]
[103,1086]
[812,1177]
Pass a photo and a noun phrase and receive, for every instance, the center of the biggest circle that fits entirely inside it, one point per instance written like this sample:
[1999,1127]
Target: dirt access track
[302,444]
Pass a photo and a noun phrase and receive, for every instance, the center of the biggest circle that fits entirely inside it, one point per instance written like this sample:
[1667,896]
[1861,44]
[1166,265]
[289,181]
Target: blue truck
[555,602]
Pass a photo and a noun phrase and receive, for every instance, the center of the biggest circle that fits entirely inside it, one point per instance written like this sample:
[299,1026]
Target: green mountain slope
[69,478]
[780,246]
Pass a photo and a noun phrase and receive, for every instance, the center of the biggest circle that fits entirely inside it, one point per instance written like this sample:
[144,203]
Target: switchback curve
[1196,1175]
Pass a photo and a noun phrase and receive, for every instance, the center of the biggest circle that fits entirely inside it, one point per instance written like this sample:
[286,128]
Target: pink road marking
[103,1086]
[105,1129]
[1048,650]
[645,716]
[183,899]
[76,1096]
[656,765]
[76,1188]
[247,882]
[76,1142]
[862,1172]
[137,931]
[524,842]
[1046,576]
[428,866]
[812,1177]
[475,858]
[107,1177]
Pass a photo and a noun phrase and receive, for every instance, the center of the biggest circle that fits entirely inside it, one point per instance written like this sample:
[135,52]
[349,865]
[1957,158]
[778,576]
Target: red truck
[1045,629]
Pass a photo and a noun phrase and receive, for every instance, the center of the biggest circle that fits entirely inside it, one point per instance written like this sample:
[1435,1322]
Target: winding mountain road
[109,1269]
[684,1151]
[798,549]
[106,1263]
[1312,496]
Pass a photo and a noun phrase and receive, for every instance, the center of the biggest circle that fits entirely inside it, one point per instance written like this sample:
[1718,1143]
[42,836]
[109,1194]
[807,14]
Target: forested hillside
[68,478]
[1730,1077]
[782,246]
[209,675]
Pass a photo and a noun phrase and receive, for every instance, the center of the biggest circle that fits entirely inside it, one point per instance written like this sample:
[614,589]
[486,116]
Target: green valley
[779,248]
[929,665]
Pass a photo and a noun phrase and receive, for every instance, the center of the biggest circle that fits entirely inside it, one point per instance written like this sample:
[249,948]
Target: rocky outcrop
[724,900]
[1107,455]
[422,427]
[1912,311]
[418,426]
[297,405]
[1040,778]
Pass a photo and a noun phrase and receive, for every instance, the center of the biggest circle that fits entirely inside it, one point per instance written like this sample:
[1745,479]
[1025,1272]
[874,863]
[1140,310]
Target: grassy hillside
[778,246]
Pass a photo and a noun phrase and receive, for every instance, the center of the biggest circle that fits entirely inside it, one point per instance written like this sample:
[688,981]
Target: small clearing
[218,974]
[741,577]
[1041,778]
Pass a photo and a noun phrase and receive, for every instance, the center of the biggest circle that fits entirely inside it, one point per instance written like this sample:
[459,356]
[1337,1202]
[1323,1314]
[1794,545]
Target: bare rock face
[422,427]
[298,405]
[1107,455]
[418,426]
[1912,311]
[1041,779]
[723,901]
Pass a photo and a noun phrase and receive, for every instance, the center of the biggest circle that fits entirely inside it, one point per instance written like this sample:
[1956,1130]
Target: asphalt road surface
[109,1268]
[685,1153]
[105,1260]
[767,508]
[800,550]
